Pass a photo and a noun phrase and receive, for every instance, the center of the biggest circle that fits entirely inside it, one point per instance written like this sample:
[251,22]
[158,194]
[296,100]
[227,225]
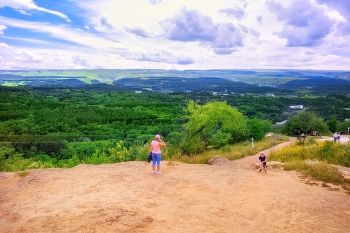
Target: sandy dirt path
[126,197]
[343,138]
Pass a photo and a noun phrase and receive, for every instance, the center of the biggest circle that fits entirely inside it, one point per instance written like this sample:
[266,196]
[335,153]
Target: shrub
[232,152]
[312,159]
[317,170]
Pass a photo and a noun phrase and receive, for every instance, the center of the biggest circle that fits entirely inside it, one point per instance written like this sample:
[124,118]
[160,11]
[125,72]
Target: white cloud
[162,55]
[155,2]
[81,38]
[235,12]
[191,25]
[139,30]
[2,28]
[81,61]
[4,46]
[342,8]
[228,38]
[23,12]
[105,20]
[14,58]
[22,5]
[187,34]
[28,40]
[27,57]
[259,18]
[302,22]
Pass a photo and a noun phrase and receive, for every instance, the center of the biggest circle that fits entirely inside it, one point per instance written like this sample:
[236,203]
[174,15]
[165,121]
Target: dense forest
[63,122]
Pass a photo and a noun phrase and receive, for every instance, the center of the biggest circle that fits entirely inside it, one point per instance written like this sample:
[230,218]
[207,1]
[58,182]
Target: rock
[218,160]
[257,166]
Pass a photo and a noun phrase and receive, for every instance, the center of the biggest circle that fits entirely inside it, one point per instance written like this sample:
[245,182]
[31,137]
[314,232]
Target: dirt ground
[343,138]
[229,196]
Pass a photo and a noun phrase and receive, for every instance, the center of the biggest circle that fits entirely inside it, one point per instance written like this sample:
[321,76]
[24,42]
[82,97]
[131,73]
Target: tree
[332,124]
[6,153]
[343,126]
[304,122]
[258,128]
[213,124]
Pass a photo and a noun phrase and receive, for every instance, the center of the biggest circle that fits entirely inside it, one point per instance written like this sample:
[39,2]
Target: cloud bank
[190,25]
[305,34]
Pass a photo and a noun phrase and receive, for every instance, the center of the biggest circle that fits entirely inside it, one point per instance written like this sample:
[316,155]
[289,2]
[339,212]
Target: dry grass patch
[314,161]
[233,152]
[22,173]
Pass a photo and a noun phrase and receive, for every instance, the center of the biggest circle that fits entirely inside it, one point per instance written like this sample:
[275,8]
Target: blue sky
[175,34]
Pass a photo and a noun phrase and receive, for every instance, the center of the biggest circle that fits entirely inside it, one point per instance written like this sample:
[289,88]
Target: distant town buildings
[296,106]
[281,123]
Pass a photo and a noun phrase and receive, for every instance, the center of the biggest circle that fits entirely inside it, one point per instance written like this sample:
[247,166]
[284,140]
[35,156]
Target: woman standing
[156,153]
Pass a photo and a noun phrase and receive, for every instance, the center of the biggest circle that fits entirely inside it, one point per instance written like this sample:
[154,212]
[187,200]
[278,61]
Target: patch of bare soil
[126,197]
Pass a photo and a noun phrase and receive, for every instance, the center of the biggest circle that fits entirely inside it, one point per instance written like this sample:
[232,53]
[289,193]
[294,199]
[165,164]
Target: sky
[175,34]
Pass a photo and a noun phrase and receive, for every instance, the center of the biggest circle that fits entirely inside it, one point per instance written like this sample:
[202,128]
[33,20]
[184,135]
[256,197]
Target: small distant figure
[336,137]
[315,133]
[302,138]
[156,153]
[262,159]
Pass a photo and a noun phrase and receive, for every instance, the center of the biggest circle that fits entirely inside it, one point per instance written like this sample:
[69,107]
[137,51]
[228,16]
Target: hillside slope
[225,197]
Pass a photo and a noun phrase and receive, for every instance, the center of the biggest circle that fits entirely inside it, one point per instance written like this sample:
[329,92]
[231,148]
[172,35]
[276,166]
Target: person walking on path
[262,159]
[336,136]
[156,153]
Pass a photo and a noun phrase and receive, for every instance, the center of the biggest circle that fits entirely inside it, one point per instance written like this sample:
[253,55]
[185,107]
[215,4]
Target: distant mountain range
[166,81]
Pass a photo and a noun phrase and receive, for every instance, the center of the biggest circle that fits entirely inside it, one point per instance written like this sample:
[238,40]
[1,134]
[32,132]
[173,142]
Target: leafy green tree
[343,126]
[7,153]
[332,124]
[213,124]
[304,122]
[175,137]
[258,128]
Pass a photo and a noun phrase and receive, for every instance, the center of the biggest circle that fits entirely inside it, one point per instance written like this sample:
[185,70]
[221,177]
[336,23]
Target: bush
[232,152]
[258,128]
[312,159]
[320,171]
